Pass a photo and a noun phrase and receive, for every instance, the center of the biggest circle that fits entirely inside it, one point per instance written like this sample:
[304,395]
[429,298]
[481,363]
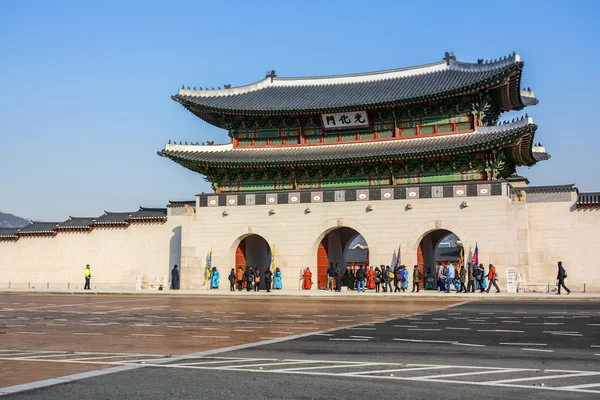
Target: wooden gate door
[322,263]
[240,257]
[421,264]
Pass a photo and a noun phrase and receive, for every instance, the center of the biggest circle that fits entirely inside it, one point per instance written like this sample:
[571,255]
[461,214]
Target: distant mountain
[12,221]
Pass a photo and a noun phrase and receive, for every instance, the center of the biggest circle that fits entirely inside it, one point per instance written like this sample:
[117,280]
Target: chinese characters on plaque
[350,119]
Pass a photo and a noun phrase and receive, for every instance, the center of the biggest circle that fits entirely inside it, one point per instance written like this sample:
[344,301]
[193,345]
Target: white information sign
[350,119]
[511,280]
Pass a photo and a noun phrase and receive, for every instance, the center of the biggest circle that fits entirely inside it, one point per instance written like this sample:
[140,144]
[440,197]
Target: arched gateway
[253,251]
[343,246]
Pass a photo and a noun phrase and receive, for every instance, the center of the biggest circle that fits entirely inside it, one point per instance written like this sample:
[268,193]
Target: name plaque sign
[341,120]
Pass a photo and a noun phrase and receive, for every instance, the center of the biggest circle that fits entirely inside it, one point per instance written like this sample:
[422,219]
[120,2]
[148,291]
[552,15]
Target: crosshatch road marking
[555,380]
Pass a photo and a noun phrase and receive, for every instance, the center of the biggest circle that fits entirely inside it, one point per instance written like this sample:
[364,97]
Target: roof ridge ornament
[271,75]
[449,56]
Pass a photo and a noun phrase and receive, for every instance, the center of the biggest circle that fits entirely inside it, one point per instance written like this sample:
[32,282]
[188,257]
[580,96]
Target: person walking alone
[175,278]
[562,275]
[492,276]
[417,275]
[378,277]
[88,278]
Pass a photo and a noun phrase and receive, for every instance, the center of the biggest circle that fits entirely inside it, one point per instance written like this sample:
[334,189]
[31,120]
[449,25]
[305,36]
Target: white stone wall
[116,256]
[560,232]
[531,236]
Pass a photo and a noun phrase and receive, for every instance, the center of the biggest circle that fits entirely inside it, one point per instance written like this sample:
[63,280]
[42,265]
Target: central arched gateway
[343,246]
[440,245]
[254,251]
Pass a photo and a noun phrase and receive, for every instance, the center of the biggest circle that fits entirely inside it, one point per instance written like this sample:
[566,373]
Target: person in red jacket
[492,276]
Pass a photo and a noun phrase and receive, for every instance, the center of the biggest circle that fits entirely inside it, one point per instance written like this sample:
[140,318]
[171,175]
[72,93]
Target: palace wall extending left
[117,256]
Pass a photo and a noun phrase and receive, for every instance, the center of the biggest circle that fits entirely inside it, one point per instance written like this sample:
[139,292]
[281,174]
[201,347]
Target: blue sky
[85,86]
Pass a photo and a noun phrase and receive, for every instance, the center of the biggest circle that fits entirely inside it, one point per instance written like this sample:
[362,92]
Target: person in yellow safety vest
[88,277]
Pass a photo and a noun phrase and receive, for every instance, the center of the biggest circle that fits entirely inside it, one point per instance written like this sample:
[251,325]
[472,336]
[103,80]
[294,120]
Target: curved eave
[516,142]
[203,111]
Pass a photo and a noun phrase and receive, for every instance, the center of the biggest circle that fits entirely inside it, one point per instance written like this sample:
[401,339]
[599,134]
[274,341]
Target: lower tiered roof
[517,137]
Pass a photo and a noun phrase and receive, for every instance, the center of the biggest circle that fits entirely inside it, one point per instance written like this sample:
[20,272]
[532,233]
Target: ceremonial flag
[461,260]
[208,266]
[272,258]
[475,259]
[398,258]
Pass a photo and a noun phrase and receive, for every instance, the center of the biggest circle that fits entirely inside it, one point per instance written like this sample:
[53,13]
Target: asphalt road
[548,350]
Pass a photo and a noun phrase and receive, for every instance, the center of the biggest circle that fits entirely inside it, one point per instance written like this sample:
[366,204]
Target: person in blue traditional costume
[481,278]
[214,278]
[403,278]
[277,282]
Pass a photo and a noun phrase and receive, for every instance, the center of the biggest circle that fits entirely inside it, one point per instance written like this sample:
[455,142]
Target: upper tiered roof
[286,96]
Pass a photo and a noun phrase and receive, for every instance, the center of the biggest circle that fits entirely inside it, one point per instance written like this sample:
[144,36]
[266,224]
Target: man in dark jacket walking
[330,277]
[562,275]
[338,278]
[360,279]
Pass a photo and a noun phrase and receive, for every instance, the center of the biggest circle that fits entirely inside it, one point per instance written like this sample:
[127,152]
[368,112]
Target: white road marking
[594,324]
[350,340]
[459,329]
[473,373]
[88,333]
[544,350]
[543,377]
[362,337]
[424,329]
[468,344]
[383,371]
[424,341]
[212,337]
[589,385]
[32,333]
[499,330]
[244,330]
[145,334]
[361,329]
[523,344]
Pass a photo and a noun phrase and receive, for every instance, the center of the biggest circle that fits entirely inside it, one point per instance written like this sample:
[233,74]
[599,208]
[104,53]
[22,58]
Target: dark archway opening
[253,251]
[439,246]
[345,247]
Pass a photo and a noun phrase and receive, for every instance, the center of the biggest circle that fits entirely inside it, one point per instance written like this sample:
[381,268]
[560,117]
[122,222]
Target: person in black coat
[268,278]
[249,278]
[562,275]
[232,280]
[175,278]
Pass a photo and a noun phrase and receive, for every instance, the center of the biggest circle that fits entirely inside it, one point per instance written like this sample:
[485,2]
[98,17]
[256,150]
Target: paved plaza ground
[297,347]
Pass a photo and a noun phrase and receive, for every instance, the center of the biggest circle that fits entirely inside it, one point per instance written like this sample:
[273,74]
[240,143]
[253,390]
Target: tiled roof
[149,214]
[226,155]
[416,84]
[8,233]
[114,218]
[39,227]
[77,223]
[181,203]
[588,199]
[547,188]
